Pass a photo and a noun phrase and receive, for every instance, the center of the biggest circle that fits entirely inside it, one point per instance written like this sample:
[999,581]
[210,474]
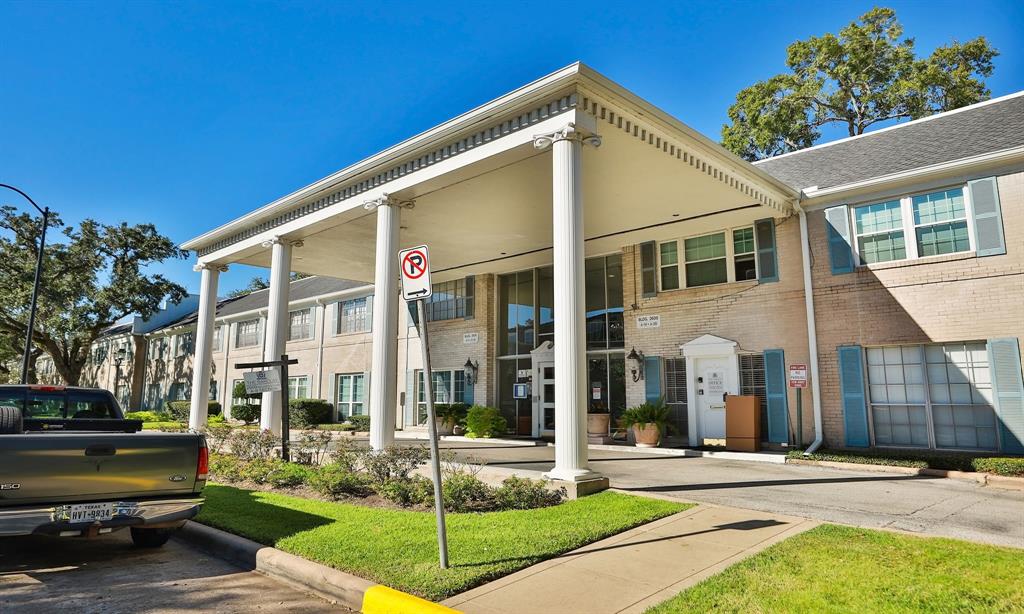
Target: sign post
[798,380]
[415,265]
[269,380]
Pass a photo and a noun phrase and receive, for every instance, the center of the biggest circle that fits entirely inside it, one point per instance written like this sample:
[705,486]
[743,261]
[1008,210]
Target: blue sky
[188,114]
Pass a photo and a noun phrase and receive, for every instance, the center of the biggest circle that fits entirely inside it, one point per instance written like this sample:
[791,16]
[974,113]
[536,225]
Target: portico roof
[480,193]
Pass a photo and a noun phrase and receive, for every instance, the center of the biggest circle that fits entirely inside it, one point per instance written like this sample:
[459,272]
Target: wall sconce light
[636,364]
[470,369]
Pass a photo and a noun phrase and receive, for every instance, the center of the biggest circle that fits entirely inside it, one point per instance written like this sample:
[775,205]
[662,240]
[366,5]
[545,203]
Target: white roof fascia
[814,197]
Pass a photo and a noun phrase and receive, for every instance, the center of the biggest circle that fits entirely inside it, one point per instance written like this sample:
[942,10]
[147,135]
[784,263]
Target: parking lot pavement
[919,504]
[108,575]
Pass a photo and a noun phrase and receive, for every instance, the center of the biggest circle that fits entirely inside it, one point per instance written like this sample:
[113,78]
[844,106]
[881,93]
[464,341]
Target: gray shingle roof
[308,287]
[971,131]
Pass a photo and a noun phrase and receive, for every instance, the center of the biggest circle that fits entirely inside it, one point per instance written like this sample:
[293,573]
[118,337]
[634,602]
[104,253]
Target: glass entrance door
[546,400]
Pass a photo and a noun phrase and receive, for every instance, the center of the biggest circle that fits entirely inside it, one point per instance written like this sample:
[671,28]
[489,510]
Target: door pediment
[709,345]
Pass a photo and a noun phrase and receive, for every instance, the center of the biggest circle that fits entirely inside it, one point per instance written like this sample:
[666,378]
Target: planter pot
[458,430]
[444,427]
[648,436]
[597,424]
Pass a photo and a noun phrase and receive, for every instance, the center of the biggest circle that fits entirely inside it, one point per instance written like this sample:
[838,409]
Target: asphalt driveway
[108,575]
[920,504]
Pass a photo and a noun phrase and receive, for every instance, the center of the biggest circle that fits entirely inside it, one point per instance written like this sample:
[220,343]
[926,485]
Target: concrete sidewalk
[637,569]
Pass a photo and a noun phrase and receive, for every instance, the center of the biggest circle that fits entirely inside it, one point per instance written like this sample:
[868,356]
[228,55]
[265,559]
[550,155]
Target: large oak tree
[93,276]
[865,75]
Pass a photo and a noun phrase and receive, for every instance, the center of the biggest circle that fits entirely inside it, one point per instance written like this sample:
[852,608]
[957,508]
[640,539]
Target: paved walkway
[634,570]
[919,504]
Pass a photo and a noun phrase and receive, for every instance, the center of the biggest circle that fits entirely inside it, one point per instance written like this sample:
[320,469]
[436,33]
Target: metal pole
[285,432]
[435,459]
[35,298]
[799,419]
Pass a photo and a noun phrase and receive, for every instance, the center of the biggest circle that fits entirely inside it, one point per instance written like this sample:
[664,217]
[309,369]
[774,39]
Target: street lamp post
[35,286]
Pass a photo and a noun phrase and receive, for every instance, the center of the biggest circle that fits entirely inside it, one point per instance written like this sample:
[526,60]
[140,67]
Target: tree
[865,75]
[261,283]
[93,276]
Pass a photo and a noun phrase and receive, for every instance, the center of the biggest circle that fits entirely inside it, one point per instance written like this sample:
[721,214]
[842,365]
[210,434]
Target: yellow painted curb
[380,599]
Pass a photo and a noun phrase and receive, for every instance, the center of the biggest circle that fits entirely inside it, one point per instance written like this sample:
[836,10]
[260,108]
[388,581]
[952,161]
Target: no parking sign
[415,265]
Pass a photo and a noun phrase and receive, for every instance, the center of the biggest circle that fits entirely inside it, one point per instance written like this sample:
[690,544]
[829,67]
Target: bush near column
[485,422]
[245,413]
[362,423]
[180,410]
[305,412]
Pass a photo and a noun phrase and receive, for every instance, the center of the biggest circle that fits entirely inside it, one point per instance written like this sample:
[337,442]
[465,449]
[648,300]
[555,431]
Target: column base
[574,489]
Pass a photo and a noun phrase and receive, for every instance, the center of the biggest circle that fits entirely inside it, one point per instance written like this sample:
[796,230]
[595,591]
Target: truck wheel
[150,538]
[10,420]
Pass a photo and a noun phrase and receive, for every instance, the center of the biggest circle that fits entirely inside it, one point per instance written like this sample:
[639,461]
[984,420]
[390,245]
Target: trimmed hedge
[304,413]
[245,413]
[485,422]
[950,461]
[361,423]
[179,410]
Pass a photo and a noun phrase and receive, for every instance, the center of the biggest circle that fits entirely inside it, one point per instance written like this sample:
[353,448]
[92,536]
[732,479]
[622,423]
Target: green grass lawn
[399,548]
[842,569]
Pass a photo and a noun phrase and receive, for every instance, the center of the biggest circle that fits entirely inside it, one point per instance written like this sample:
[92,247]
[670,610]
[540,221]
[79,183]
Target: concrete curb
[985,479]
[777,458]
[326,582]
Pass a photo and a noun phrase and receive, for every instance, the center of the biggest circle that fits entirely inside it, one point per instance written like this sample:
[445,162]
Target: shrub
[258,469]
[288,475]
[148,416]
[226,467]
[217,436]
[464,492]
[484,422]
[335,482]
[1009,466]
[518,493]
[245,413]
[417,490]
[312,446]
[304,413]
[362,423]
[248,444]
[450,413]
[180,410]
[393,462]
[347,456]
[649,412]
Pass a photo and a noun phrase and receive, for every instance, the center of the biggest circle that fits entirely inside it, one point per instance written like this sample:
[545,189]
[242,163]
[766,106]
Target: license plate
[91,512]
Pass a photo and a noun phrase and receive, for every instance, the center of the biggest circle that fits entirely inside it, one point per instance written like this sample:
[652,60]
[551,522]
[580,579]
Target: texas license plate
[91,512]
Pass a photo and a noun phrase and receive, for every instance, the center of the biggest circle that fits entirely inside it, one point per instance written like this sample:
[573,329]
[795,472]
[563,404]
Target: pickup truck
[71,465]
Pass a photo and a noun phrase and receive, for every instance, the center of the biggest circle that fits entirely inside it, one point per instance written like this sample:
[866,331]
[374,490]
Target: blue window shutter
[652,378]
[410,399]
[840,245]
[767,258]
[468,394]
[988,219]
[1008,385]
[851,386]
[775,391]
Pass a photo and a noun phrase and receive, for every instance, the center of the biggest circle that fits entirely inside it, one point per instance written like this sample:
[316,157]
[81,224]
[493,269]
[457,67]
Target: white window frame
[340,320]
[238,333]
[218,337]
[730,258]
[308,311]
[421,406]
[343,415]
[299,381]
[909,228]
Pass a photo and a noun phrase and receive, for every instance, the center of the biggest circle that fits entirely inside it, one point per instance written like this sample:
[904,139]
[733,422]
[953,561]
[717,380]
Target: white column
[384,359]
[569,308]
[277,325]
[204,344]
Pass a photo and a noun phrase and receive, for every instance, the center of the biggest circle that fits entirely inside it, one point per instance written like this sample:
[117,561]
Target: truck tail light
[203,464]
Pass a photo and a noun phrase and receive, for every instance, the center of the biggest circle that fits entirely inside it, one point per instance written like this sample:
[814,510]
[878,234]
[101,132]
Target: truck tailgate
[57,467]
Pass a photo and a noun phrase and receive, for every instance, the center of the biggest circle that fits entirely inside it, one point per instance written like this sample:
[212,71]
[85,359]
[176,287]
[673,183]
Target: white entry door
[714,377]
[544,399]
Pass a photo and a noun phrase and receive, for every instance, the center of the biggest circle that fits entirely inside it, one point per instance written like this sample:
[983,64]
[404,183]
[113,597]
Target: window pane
[878,217]
[745,268]
[882,247]
[705,247]
[670,278]
[743,241]
[939,207]
[613,289]
[706,273]
[946,238]
[669,253]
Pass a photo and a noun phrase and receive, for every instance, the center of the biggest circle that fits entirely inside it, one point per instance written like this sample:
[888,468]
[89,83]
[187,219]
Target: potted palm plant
[648,421]
[447,415]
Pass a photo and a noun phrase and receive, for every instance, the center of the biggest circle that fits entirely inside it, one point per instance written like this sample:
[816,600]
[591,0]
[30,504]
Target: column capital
[385,200]
[209,266]
[277,240]
[569,132]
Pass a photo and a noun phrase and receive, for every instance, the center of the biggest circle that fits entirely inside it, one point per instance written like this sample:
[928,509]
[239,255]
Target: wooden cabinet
[743,423]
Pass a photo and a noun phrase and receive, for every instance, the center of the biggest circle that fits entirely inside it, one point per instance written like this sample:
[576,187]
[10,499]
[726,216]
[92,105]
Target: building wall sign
[470,338]
[649,321]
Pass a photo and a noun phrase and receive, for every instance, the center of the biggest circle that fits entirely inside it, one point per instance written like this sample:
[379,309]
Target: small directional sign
[415,264]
